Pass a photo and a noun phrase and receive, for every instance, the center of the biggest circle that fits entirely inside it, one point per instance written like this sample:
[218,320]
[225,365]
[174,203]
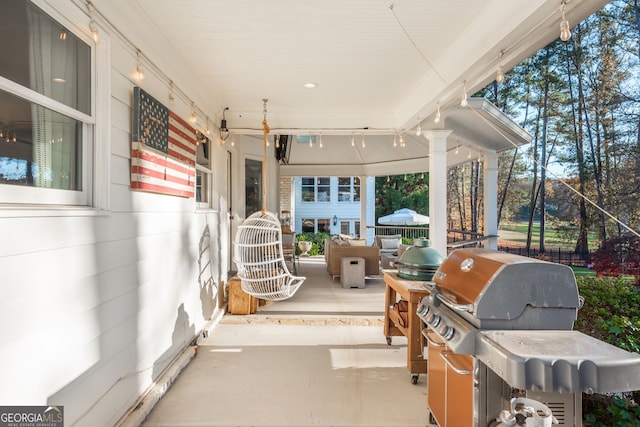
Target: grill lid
[499,285]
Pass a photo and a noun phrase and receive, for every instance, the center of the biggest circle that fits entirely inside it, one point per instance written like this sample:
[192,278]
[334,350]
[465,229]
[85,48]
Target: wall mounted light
[335,220]
[93,27]
[139,71]
[224,132]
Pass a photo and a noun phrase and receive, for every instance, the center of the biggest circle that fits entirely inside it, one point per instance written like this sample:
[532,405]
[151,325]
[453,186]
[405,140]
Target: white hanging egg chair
[258,251]
[260,260]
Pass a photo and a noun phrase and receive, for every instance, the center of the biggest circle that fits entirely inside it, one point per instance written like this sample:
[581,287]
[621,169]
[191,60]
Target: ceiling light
[363,144]
[395,140]
[320,141]
[419,129]
[437,119]
[565,31]
[139,71]
[401,140]
[62,35]
[223,131]
[353,142]
[310,85]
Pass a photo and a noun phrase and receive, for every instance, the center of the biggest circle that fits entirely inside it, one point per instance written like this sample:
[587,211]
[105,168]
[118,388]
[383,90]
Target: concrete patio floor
[317,359]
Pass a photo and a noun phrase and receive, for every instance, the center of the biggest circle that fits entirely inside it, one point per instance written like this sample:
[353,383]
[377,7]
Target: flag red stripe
[140,169]
[139,153]
[154,188]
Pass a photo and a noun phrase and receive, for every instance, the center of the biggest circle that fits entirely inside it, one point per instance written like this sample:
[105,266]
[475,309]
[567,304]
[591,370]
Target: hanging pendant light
[565,31]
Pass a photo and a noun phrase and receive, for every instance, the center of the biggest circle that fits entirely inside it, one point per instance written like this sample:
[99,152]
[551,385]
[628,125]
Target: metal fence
[559,256]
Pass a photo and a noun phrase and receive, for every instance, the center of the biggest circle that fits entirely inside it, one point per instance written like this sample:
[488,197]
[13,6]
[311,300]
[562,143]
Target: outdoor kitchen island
[405,293]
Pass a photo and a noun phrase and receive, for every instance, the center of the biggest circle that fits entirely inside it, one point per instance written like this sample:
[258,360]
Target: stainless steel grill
[499,326]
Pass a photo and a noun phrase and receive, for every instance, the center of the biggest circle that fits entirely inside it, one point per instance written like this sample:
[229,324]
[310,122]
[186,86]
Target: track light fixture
[565,31]
[224,132]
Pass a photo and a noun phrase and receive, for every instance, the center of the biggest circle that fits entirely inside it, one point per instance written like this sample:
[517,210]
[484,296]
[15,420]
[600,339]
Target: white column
[438,189]
[491,199]
[363,207]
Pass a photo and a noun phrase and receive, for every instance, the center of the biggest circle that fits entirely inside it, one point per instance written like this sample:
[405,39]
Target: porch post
[491,199]
[438,189]
[363,207]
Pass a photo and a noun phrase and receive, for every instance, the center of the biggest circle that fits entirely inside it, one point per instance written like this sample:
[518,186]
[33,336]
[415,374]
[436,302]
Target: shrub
[317,239]
[610,313]
[617,257]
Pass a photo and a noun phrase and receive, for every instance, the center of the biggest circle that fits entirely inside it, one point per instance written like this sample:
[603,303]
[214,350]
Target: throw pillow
[357,242]
[390,243]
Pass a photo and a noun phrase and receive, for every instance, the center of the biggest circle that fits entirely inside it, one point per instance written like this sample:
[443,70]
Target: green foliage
[616,411]
[317,239]
[402,191]
[610,313]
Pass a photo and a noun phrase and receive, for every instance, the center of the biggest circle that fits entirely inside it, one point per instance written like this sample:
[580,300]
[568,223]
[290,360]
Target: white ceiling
[380,66]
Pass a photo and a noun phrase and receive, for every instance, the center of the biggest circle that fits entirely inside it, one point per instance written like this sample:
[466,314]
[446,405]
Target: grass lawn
[517,233]
[583,272]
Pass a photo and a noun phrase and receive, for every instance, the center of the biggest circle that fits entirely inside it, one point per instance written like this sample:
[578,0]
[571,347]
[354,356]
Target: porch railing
[455,238]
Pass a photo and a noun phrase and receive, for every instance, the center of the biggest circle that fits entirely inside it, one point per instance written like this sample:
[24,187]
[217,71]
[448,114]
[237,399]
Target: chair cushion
[390,243]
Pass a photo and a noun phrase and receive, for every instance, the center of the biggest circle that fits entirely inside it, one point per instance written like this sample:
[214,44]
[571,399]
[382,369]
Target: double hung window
[46,114]
[316,189]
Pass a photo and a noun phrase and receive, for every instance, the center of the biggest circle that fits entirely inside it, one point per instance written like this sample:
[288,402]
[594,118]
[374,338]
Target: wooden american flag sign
[163,150]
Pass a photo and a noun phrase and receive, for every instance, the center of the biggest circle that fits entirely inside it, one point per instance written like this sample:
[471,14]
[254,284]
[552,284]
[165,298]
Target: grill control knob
[423,309]
[433,320]
[446,332]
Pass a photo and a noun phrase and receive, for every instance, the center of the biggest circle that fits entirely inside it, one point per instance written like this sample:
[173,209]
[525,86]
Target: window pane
[253,186]
[308,225]
[324,190]
[43,149]
[202,187]
[323,226]
[344,227]
[308,181]
[39,53]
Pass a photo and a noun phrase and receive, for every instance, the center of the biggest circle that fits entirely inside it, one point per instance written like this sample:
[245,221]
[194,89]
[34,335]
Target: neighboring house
[332,204]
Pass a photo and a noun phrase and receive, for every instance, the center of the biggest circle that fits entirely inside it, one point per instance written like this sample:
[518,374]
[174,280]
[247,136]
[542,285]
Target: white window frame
[208,176]
[95,195]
